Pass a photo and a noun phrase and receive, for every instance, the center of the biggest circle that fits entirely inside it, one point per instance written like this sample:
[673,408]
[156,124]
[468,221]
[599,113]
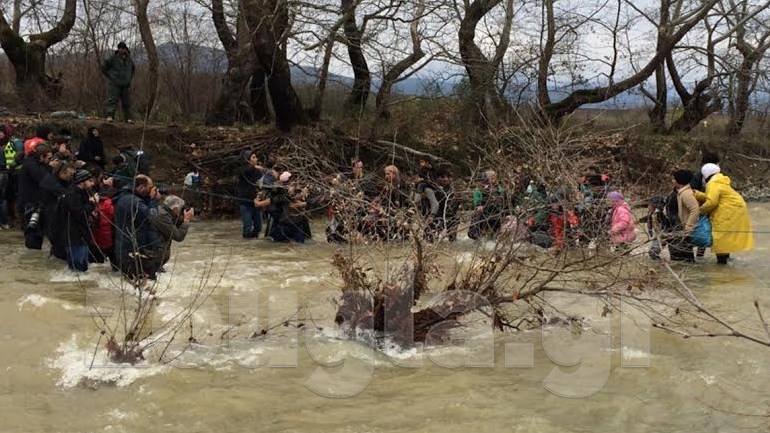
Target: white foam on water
[710,380]
[74,364]
[65,275]
[33,300]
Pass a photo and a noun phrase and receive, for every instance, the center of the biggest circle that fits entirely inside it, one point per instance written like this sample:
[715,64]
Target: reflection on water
[284,381]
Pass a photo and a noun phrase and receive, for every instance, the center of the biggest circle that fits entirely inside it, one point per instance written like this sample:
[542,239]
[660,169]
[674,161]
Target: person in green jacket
[119,70]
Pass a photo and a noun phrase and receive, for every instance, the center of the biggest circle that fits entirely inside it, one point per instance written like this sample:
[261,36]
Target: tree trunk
[269,21]
[543,96]
[658,112]
[481,71]
[392,75]
[742,94]
[225,109]
[152,54]
[699,106]
[258,95]
[28,58]
[557,110]
[362,79]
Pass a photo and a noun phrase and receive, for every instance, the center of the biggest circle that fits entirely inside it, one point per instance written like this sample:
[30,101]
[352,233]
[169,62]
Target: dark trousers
[100,255]
[122,94]
[137,266]
[251,217]
[77,257]
[681,250]
[287,232]
[722,258]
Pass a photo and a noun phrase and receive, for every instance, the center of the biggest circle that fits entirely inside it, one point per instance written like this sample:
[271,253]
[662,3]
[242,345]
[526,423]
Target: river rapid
[311,378]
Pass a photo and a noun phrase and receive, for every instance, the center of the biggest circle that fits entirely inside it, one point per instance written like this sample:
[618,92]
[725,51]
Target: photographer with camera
[171,220]
[31,180]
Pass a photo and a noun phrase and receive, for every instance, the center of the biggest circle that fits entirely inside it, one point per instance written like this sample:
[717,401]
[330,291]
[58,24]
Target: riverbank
[639,162]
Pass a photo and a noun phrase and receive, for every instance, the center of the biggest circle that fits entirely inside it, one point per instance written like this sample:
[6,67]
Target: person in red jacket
[563,224]
[102,242]
[43,134]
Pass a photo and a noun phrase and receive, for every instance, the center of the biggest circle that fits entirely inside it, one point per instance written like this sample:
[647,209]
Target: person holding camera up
[171,221]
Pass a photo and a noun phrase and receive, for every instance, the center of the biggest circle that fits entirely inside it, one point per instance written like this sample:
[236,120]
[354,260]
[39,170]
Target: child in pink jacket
[622,230]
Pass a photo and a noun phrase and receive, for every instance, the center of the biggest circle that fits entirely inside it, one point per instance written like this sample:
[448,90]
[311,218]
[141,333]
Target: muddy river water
[312,379]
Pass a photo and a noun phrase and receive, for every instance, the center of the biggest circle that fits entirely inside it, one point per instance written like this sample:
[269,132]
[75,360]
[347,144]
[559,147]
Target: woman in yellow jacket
[730,224]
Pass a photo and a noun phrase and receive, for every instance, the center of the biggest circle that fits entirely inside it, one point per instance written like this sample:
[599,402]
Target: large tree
[268,21]
[29,57]
[243,71]
[481,69]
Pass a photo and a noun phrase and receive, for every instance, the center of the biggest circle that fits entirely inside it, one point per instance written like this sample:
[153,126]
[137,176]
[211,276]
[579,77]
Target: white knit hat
[709,170]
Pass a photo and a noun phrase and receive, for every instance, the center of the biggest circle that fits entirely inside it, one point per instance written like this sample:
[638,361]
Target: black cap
[122,45]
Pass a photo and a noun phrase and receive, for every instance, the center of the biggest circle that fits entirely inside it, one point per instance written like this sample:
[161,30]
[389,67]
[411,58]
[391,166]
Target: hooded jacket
[730,223]
[622,230]
[92,148]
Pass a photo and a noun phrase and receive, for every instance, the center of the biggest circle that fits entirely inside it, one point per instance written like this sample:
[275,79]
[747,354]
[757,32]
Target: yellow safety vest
[10,155]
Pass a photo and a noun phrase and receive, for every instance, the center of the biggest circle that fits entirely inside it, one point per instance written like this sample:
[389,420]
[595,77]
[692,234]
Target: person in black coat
[92,148]
[78,205]
[248,182]
[32,179]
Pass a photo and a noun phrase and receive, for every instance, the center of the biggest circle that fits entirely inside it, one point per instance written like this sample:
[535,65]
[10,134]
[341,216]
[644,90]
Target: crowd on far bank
[91,210]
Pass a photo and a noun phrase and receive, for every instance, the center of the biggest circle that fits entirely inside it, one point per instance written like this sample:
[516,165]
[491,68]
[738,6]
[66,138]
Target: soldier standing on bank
[119,70]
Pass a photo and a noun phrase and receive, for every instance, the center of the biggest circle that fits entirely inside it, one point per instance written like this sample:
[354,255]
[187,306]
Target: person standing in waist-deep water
[79,204]
[119,70]
[91,149]
[730,223]
[248,180]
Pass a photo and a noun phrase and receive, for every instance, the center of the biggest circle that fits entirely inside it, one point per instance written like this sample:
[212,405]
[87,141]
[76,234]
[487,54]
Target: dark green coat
[120,72]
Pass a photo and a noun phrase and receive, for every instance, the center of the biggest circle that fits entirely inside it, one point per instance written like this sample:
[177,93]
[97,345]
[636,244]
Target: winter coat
[168,227]
[78,211]
[622,228]
[132,224]
[103,230]
[730,223]
[688,209]
[120,72]
[248,180]
[558,231]
[31,179]
[92,149]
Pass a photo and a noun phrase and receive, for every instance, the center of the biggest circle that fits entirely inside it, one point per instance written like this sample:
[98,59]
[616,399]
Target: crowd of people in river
[383,207]
[91,214]
[87,214]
